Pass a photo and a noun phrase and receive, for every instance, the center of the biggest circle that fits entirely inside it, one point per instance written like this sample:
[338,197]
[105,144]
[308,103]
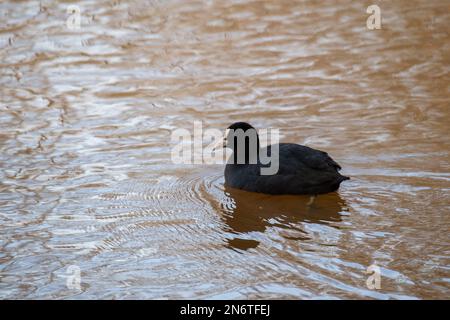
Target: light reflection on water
[86,176]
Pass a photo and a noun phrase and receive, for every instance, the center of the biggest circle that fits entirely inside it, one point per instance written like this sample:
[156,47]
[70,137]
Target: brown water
[86,175]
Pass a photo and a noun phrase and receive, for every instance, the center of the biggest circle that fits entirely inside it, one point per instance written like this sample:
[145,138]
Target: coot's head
[243,139]
[240,125]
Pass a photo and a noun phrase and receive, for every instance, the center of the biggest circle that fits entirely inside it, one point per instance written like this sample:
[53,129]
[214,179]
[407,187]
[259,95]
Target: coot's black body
[302,170]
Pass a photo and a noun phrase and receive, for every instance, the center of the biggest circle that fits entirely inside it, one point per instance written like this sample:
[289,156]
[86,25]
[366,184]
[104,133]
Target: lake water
[87,184]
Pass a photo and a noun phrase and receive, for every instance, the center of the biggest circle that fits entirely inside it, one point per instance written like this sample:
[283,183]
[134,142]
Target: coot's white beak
[221,143]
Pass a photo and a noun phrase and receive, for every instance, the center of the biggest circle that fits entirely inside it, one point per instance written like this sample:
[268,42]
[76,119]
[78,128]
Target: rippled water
[87,179]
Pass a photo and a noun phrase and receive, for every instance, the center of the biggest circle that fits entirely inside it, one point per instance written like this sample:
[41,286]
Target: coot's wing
[307,157]
[302,170]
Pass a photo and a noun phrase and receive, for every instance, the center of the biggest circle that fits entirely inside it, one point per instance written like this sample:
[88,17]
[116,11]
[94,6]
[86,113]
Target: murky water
[87,181]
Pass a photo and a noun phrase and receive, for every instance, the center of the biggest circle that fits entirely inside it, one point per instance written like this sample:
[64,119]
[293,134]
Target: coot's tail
[339,181]
[331,186]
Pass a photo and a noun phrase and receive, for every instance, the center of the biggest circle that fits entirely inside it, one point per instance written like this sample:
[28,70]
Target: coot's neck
[251,155]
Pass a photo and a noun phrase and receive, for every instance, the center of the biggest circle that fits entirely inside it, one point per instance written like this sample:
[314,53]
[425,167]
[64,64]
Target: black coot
[302,170]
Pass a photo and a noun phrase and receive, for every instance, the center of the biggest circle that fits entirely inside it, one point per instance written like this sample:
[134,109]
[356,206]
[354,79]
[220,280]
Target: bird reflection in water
[246,212]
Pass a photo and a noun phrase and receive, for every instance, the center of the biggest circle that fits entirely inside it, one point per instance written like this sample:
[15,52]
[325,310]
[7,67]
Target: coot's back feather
[302,170]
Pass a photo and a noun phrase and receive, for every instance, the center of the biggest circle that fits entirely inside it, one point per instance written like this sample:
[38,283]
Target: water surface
[86,175]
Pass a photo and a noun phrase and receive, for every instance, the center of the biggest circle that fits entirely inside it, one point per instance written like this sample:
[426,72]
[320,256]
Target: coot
[301,170]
